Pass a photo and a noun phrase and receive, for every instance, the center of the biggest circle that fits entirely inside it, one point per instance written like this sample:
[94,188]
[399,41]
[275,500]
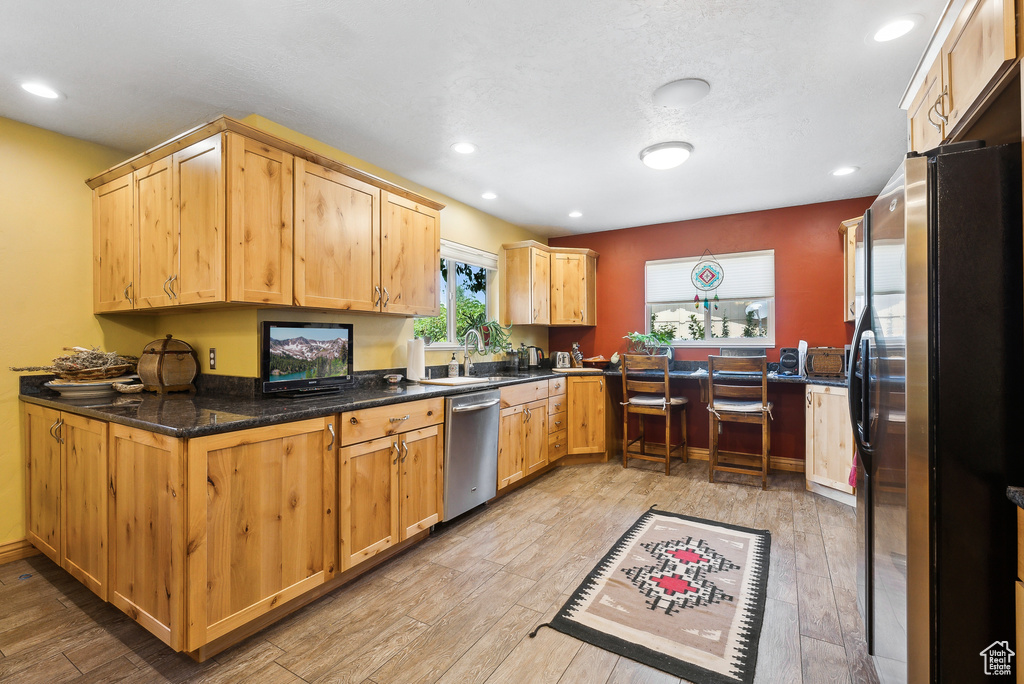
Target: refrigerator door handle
[857,386]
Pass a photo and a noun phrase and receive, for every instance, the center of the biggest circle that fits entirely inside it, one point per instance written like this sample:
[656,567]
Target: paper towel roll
[415,364]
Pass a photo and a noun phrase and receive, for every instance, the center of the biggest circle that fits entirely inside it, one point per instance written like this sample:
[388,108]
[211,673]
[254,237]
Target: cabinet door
[113,225]
[850,229]
[259,216]
[157,258]
[586,414]
[368,499]
[255,523]
[568,289]
[337,240]
[199,189]
[421,480]
[926,128]
[84,500]
[510,446]
[540,286]
[146,502]
[410,257]
[829,449]
[43,475]
[535,436]
[981,44]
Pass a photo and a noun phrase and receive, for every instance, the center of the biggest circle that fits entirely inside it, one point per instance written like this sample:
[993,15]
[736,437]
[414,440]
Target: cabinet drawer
[558,445]
[556,386]
[557,405]
[383,421]
[556,421]
[523,394]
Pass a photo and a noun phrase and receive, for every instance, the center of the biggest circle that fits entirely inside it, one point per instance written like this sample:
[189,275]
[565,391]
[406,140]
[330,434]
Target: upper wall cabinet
[227,213]
[543,285]
[979,50]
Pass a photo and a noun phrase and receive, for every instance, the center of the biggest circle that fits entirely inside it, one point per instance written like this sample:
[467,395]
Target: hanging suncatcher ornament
[708,274]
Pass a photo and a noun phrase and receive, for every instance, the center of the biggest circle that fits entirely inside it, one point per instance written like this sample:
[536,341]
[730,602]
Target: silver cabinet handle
[558,422]
[387,297]
[558,405]
[558,446]
[942,117]
[376,295]
[934,125]
[57,427]
[527,413]
[600,385]
[399,420]
[394,445]
[54,427]
[330,428]
[405,448]
[170,286]
[474,407]
[166,291]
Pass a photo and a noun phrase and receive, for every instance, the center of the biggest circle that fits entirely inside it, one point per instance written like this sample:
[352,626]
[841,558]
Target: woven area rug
[681,594]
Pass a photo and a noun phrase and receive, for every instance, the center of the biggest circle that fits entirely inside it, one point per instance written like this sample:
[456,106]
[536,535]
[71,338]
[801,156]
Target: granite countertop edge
[1016,495]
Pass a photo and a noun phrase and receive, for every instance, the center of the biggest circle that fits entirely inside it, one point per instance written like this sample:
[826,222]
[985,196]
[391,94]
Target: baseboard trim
[781,463]
[17,550]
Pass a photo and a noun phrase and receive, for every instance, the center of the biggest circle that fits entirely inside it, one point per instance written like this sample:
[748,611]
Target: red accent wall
[808,297]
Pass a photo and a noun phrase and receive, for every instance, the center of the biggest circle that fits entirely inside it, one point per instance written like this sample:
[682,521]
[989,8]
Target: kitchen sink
[452,382]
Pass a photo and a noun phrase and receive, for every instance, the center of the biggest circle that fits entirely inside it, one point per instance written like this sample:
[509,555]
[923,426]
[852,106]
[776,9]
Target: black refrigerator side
[975,397]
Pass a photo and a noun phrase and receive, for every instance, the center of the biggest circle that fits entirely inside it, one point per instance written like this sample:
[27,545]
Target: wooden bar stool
[738,403]
[647,393]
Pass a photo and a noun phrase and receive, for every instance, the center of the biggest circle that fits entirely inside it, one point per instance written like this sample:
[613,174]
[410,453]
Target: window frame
[455,253]
[711,342]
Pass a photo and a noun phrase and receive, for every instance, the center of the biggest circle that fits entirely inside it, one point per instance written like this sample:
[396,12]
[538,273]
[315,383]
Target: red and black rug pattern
[682,594]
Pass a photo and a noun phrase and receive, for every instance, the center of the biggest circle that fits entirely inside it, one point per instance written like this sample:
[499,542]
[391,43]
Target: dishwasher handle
[474,407]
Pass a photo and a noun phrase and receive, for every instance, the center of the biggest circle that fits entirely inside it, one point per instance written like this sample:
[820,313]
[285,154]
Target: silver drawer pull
[558,422]
[394,445]
[330,428]
[474,407]
[399,420]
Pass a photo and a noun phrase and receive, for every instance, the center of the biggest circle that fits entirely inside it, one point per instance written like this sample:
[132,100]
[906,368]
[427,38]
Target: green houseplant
[651,343]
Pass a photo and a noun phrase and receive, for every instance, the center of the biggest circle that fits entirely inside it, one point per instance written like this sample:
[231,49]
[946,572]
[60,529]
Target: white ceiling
[555,93]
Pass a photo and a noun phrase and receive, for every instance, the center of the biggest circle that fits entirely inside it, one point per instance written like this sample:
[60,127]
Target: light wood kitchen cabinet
[535,436]
[526,286]
[410,247]
[67,492]
[157,234]
[198,174]
[848,229]
[978,51]
[511,464]
[586,396]
[829,448]
[523,434]
[390,486]
[147,531]
[114,238]
[573,289]
[337,240]
[262,533]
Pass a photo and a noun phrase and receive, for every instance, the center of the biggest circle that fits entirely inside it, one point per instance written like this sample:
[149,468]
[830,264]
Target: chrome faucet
[467,364]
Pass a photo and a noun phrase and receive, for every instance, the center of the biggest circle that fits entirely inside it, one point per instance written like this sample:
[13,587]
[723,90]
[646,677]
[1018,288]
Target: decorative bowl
[393,378]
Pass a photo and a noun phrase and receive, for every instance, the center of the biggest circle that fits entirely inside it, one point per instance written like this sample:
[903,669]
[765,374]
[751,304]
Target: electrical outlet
[213,358]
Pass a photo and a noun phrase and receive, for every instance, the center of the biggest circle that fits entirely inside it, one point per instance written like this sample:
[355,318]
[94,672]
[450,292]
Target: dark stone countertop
[701,373]
[194,415]
[1016,495]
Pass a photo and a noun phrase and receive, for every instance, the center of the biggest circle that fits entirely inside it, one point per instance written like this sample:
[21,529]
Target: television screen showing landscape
[308,353]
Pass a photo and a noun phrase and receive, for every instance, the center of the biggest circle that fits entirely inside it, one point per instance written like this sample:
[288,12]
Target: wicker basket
[825,362]
[93,374]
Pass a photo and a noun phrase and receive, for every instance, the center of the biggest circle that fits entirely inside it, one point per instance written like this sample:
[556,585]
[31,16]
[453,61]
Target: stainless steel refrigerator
[935,394]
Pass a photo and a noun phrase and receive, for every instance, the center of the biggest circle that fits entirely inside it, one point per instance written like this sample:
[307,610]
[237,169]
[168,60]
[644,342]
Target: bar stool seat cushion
[739,406]
[655,400]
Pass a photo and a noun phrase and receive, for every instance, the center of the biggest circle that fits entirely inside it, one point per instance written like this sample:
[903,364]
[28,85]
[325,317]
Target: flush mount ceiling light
[681,93]
[489,195]
[464,147]
[41,90]
[896,28]
[845,170]
[575,214]
[666,155]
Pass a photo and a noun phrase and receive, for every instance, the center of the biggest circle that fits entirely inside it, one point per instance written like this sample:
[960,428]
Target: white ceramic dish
[86,390]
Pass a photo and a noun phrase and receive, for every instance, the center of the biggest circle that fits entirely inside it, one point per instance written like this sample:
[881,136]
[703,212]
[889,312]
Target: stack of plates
[86,390]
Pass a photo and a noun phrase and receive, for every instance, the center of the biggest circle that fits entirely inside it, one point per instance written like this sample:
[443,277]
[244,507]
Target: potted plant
[658,341]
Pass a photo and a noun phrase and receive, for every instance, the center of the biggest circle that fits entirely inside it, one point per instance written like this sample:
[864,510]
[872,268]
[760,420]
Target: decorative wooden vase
[168,365]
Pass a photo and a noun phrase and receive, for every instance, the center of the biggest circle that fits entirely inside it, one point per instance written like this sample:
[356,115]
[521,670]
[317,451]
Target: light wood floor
[457,608]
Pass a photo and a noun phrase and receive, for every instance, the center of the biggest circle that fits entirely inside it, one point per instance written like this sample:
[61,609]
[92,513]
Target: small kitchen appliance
[534,355]
[561,359]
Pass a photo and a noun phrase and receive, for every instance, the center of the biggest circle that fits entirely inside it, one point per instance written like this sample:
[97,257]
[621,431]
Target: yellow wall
[46,278]
[380,340]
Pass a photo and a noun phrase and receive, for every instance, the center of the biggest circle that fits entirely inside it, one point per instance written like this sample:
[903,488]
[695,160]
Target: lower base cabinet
[829,447]
[586,396]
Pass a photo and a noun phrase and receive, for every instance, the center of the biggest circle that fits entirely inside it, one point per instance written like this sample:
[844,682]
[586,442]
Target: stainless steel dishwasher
[470,450]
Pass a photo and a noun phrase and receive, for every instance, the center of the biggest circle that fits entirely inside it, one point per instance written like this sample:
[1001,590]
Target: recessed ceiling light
[681,93]
[41,90]
[464,147]
[666,155]
[489,195]
[896,28]
[575,214]
[845,170]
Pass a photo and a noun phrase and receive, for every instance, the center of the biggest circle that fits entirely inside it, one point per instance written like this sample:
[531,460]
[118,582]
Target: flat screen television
[305,357]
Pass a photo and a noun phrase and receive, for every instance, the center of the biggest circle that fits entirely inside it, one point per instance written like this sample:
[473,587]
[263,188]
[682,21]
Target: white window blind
[468,255]
[747,275]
